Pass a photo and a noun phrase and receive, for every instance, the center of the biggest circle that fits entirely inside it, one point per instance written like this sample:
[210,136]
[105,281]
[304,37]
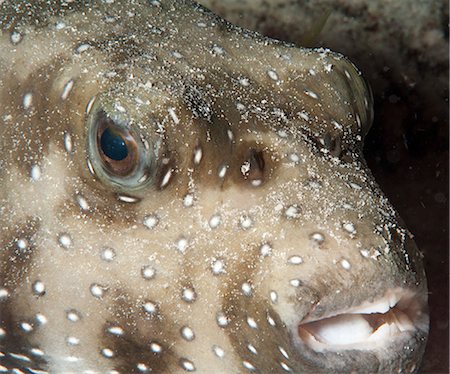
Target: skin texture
[257,211]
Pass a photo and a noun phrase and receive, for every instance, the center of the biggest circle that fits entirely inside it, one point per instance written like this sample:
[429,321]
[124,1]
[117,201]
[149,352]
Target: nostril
[252,169]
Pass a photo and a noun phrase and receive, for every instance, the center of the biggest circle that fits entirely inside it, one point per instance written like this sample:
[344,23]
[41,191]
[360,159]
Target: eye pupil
[113,145]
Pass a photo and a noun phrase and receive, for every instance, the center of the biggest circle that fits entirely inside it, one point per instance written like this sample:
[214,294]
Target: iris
[113,145]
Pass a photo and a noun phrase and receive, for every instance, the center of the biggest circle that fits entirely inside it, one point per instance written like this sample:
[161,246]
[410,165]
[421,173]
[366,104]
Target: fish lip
[398,315]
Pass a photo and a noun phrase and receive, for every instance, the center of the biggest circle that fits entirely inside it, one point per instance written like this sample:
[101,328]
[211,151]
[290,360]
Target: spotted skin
[254,209]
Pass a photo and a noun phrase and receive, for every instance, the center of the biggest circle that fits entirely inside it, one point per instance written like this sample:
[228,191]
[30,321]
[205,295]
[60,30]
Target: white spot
[73,316]
[271,321]
[108,353]
[230,135]
[365,253]
[218,50]
[177,54]
[60,25]
[68,142]
[72,359]
[72,340]
[273,297]
[20,357]
[248,365]
[151,221]
[108,254]
[215,221]
[27,101]
[173,115]
[38,288]
[127,199]
[349,227]
[311,94]
[245,222]
[337,125]
[252,323]
[37,352]
[272,75]
[166,178]
[82,48]
[2,334]
[188,200]
[240,107]
[65,240]
[317,238]
[355,186]
[198,154]
[223,171]
[115,330]
[142,367]
[25,326]
[295,282]
[345,264]
[187,333]
[358,120]
[155,347]
[22,244]
[97,290]
[90,104]
[247,289]
[294,158]
[219,352]
[90,167]
[16,37]
[67,88]
[35,172]
[218,267]
[244,82]
[292,212]
[4,294]
[222,319]
[182,245]
[150,308]
[120,107]
[303,115]
[283,352]
[82,202]
[188,295]
[285,366]
[265,250]
[295,260]
[148,272]
[187,365]
[252,349]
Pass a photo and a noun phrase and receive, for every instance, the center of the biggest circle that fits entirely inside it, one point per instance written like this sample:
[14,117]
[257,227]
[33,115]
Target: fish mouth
[371,325]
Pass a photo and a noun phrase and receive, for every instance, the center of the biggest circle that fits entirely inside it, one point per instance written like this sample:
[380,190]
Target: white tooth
[385,331]
[380,306]
[393,300]
[343,330]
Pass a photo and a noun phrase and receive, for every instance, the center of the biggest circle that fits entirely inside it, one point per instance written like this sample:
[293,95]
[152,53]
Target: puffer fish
[181,195]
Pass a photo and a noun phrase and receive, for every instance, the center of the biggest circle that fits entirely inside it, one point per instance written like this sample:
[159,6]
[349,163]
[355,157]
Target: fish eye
[118,154]
[117,147]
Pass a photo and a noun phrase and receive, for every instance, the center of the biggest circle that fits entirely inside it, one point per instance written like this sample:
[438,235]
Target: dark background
[407,147]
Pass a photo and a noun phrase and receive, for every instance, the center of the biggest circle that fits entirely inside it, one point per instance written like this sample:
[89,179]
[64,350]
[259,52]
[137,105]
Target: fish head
[179,194]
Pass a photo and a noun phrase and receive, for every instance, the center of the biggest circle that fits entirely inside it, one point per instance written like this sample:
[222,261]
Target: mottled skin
[254,148]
